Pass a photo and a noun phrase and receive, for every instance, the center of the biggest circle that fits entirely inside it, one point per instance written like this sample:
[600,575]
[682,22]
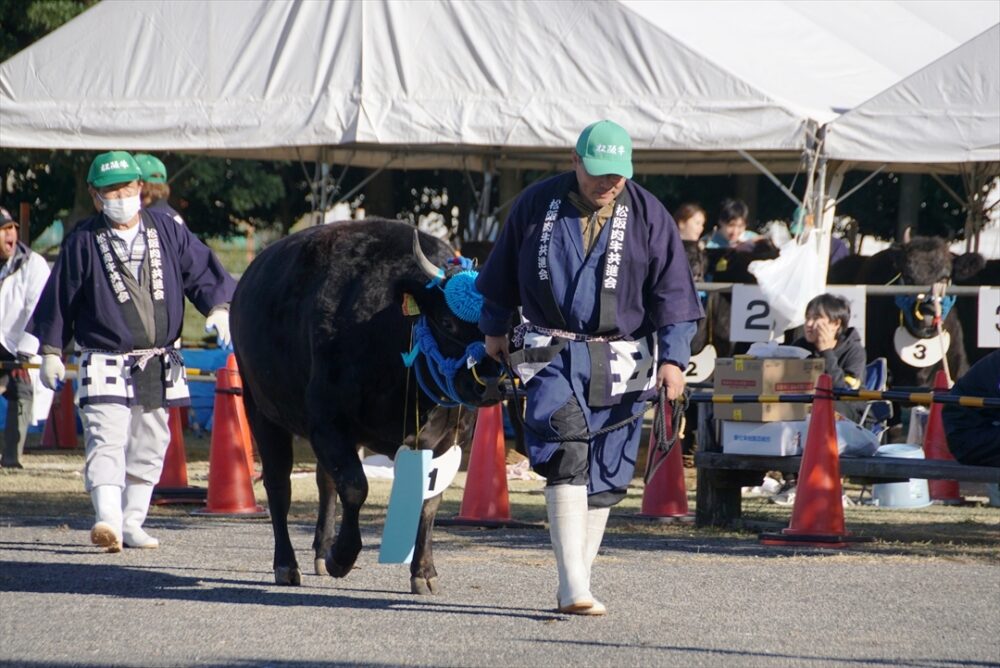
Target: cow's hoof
[340,560]
[423,586]
[319,564]
[338,570]
[289,576]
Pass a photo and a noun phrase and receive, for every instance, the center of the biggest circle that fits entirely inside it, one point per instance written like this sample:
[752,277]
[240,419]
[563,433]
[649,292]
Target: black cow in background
[920,262]
[319,328]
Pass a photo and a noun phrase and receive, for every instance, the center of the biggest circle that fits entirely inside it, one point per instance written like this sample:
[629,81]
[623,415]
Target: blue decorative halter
[442,369]
[908,305]
[465,301]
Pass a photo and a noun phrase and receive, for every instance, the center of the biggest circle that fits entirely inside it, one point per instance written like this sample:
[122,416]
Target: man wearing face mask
[118,289]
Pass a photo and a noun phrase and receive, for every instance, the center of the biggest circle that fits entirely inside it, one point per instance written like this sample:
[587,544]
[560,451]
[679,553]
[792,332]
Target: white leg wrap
[597,520]
[567,511]
[107,529]
[135,503]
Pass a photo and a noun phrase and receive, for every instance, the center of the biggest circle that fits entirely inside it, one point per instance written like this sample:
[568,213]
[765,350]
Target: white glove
[52,372]
[219,321]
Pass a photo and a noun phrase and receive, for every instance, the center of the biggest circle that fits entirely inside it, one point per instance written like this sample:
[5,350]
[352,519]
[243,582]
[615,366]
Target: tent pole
[367,179]
[771,177]
[855,188]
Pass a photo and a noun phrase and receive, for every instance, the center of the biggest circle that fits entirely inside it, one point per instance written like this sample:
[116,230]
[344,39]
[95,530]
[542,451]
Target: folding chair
[877,414]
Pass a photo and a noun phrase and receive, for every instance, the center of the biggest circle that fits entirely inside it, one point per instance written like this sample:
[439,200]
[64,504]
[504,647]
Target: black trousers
[570,465]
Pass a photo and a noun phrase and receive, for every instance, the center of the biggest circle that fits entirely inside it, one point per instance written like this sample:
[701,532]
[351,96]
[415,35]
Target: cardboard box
[765,376]
[783,439]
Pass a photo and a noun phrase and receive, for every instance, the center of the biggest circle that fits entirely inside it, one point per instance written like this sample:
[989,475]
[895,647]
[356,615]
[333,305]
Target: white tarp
[821,57]
[948,112]
[432,82]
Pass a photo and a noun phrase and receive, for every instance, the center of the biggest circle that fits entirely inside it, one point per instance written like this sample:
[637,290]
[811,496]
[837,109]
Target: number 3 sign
[751,318]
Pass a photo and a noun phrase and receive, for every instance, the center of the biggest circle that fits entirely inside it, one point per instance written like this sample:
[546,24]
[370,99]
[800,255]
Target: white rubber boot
[567,510]
[597,520]
[135,502]
[107,530]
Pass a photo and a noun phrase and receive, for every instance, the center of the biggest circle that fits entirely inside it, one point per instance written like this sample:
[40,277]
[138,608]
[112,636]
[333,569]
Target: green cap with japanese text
[605,148]
[113,167]
[152,168]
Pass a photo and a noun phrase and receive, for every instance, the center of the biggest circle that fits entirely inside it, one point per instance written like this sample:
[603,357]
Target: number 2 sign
[751,318]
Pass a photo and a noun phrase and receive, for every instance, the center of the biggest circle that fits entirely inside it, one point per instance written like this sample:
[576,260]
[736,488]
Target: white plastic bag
[853,440]
[790,281]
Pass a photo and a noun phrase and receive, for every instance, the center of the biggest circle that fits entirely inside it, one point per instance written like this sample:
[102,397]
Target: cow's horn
[429,267]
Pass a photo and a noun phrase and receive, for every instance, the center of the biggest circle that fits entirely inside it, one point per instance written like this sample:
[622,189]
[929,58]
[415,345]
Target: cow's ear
[413,293]
[964,267]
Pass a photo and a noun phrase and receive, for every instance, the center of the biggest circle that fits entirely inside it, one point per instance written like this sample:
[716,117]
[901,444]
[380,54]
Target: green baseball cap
[605,148]
[113,167]
[153,170]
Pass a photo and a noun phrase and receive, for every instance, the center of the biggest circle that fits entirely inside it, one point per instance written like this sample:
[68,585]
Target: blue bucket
[911,494]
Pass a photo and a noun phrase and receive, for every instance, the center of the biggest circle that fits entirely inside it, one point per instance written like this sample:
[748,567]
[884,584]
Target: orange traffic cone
[485,501]
[241,417]
[665,496]
[173,485]
[230,488]
[818,513]
[60,427]
[936,447]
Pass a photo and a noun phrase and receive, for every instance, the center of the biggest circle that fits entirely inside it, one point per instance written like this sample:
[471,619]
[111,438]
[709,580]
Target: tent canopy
[822,57]
[948,112]
[420,84]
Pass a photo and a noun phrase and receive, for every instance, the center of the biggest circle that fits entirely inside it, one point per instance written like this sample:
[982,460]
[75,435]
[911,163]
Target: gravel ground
[207,598]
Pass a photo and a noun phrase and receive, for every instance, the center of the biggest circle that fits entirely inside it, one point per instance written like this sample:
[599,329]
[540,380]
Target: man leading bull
[118,289]
[598,268]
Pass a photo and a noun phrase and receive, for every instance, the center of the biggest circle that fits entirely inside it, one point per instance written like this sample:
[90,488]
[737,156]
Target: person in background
[598,268]
[690,219]
[22,275]
[155,189]
[731,225]
[974,433]
[828,337]
[118,289]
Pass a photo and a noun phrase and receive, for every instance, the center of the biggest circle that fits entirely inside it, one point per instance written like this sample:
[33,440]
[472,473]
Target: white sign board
[989,317]
[751,319]
[857,296]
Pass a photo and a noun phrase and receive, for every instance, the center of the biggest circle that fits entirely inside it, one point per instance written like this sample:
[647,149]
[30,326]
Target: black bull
[318,329]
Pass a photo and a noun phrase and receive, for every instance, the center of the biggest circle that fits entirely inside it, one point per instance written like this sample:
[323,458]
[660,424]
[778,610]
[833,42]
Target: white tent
[948,112]
[423,84]
[821,57]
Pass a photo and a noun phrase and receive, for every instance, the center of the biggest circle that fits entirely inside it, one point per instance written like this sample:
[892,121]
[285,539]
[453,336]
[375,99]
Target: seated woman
[827,336]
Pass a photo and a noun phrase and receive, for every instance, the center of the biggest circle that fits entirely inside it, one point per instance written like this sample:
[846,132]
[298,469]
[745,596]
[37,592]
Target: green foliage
[24,22]
[215,194]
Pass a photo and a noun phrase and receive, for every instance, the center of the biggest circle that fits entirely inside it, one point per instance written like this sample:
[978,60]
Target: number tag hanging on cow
[442,472]
[405,503]
[701,366]
[920,352]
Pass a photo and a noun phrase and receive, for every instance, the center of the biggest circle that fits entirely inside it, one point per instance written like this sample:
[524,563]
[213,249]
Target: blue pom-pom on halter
[462,297]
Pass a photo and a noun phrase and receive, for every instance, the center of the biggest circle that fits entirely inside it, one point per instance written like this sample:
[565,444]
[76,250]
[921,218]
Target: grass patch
[51,485]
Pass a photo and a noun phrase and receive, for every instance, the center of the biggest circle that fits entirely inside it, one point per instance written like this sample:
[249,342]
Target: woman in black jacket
[827,336]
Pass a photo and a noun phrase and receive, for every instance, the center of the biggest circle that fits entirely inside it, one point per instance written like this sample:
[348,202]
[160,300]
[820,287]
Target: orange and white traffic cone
[818,512]
[173,485]
[945,492]
[665,495]
[486,500]
[241,417]
[60,427]
[230,487]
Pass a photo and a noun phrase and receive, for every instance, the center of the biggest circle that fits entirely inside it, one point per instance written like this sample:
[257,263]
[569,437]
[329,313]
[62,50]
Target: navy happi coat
[82,302]
[634,284]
